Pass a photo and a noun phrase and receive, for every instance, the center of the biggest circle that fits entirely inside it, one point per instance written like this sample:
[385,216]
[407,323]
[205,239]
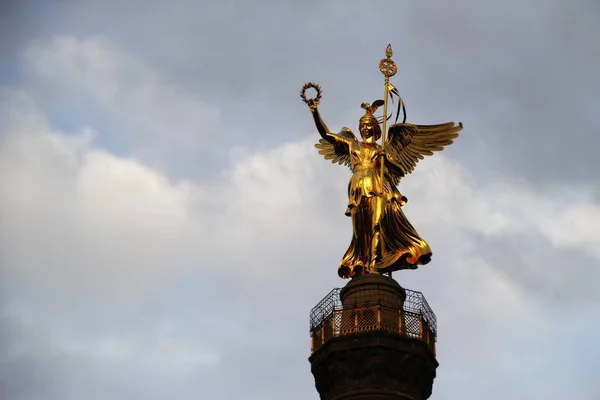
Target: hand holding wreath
[314,102]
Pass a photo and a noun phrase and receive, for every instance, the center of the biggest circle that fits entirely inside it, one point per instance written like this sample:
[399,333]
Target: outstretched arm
[321,127]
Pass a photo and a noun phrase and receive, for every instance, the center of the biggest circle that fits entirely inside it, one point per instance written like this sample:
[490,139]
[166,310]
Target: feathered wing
[408,143]
[338,152]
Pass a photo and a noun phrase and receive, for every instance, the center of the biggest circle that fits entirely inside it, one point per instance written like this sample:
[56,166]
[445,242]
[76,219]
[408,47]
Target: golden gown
[382,238]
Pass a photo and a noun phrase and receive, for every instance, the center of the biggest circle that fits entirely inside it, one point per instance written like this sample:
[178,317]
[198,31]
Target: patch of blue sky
[73,118]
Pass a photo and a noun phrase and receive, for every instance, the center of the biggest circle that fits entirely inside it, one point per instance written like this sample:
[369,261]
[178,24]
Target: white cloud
[95,238]
[145,105]
[94,220]
[577,227]
[446,199]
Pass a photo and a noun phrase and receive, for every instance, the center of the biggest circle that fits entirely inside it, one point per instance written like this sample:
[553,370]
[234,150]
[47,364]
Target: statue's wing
[408,143]
[393,175]
[339,150]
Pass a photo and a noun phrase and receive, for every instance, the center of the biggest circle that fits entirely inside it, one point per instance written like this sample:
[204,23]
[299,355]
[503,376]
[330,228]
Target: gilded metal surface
[383,240]
[388,67]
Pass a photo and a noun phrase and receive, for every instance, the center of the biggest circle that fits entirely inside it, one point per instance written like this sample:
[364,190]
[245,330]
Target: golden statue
[383,240]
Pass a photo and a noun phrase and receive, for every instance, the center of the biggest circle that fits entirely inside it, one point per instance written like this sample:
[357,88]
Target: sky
[167,223]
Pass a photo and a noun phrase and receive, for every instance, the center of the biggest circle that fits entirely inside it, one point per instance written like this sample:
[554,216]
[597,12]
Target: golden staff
[388,68]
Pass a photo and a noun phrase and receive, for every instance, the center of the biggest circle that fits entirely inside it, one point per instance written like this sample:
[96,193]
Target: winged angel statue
[383,240]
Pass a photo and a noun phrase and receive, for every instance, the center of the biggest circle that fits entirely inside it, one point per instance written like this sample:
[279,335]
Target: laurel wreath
[313,86]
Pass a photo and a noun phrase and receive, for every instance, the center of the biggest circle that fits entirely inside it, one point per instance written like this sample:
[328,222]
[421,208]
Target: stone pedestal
[373,289]
[373,362]
[372,300]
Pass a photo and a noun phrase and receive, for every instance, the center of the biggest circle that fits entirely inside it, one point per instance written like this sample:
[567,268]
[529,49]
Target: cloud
[578,227]
[76,205]
[89,230]
[143,105]
[154,245]
[520,75]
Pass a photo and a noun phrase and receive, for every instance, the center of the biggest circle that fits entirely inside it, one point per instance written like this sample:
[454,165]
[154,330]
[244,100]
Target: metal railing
[329,319]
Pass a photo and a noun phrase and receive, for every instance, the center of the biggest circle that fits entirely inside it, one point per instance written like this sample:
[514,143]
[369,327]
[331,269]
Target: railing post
[333,315]
[401,328]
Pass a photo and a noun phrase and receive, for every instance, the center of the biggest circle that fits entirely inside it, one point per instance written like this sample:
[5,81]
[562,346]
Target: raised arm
[321,127]
[334,147]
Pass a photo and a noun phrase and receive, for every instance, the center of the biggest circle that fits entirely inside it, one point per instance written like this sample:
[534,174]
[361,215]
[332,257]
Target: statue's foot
[425,259]
[358,270]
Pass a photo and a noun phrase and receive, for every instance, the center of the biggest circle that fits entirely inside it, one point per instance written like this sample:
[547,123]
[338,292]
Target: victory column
[373,339]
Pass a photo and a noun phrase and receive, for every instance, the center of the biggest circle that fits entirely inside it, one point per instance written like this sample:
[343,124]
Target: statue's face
[367,129]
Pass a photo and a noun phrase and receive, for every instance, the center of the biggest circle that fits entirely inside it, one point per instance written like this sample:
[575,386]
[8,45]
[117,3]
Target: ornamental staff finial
[388,68]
